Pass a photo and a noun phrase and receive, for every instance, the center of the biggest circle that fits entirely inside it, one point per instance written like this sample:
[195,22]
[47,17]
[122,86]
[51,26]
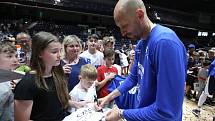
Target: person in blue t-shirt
[71,61]
[159,69]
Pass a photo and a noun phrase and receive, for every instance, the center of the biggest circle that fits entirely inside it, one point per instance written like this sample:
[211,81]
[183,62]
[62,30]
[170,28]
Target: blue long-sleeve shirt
[159,70]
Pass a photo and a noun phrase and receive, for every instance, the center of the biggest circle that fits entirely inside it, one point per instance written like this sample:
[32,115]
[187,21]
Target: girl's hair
[7,47]
[40,41]
[88,71]
[67,41]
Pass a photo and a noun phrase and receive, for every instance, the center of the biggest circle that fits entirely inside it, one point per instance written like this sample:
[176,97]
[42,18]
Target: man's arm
[170,62]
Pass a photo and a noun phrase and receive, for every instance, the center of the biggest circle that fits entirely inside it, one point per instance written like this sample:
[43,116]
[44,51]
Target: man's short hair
[93,36]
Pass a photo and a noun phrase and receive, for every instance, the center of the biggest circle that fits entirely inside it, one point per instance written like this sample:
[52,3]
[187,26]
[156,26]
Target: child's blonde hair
[88,71]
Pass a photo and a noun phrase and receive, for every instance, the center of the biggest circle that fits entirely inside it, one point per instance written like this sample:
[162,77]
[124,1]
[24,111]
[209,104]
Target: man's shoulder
[162,32]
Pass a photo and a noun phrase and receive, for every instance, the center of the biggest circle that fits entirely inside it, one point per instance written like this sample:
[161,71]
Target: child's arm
[77,104]
[75,101]
[103,82]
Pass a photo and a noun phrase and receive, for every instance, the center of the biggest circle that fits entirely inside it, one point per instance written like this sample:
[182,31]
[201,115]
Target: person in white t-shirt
[85,90]
[92,55]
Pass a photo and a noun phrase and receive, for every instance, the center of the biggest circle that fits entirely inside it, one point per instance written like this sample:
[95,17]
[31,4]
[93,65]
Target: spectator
[85,90]
[8,61]
[71,61]
[42,94]
[92,55]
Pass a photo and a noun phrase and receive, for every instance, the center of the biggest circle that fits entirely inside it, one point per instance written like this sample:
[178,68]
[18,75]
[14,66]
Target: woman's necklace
[75,61]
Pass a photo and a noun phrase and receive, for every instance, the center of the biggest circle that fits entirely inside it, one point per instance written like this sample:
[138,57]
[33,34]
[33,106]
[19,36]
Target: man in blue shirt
[159,68]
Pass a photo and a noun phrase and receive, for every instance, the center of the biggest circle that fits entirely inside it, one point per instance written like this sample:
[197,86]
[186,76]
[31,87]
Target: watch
[120,112]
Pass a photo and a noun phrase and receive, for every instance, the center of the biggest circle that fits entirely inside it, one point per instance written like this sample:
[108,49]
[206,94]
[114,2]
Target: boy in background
[106,73]
[92,55]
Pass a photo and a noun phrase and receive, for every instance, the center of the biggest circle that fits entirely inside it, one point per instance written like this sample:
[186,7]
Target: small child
[8,61]
[106,73]
[85,90]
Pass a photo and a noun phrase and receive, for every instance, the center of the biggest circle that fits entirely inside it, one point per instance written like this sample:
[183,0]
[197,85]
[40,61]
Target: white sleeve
[91,93]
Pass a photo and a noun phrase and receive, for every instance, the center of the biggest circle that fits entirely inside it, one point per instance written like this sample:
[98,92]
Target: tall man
[159,68]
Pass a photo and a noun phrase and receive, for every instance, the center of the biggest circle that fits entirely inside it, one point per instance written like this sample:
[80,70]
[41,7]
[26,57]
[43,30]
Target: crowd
[63,75]
[47,62]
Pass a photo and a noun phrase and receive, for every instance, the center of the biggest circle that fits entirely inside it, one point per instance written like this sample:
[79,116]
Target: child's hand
[67,68]
[110,76]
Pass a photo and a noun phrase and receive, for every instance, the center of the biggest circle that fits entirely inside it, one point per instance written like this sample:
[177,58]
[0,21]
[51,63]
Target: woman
[42,95]
[71,61]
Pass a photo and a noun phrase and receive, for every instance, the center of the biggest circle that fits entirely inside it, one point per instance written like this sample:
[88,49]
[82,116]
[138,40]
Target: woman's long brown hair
[40,41]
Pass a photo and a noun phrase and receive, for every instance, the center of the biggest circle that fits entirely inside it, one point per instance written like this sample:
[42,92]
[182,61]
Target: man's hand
[113,115]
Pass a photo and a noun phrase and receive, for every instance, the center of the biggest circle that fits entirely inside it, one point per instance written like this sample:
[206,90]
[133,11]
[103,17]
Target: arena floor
[207,111]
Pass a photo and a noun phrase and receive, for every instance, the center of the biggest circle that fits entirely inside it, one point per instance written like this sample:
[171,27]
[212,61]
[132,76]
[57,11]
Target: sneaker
[196,112]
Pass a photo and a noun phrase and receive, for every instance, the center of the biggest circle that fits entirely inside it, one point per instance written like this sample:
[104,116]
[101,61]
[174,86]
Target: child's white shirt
[78,94]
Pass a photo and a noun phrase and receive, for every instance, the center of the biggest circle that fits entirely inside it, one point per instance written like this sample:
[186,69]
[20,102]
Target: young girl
[42,95]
